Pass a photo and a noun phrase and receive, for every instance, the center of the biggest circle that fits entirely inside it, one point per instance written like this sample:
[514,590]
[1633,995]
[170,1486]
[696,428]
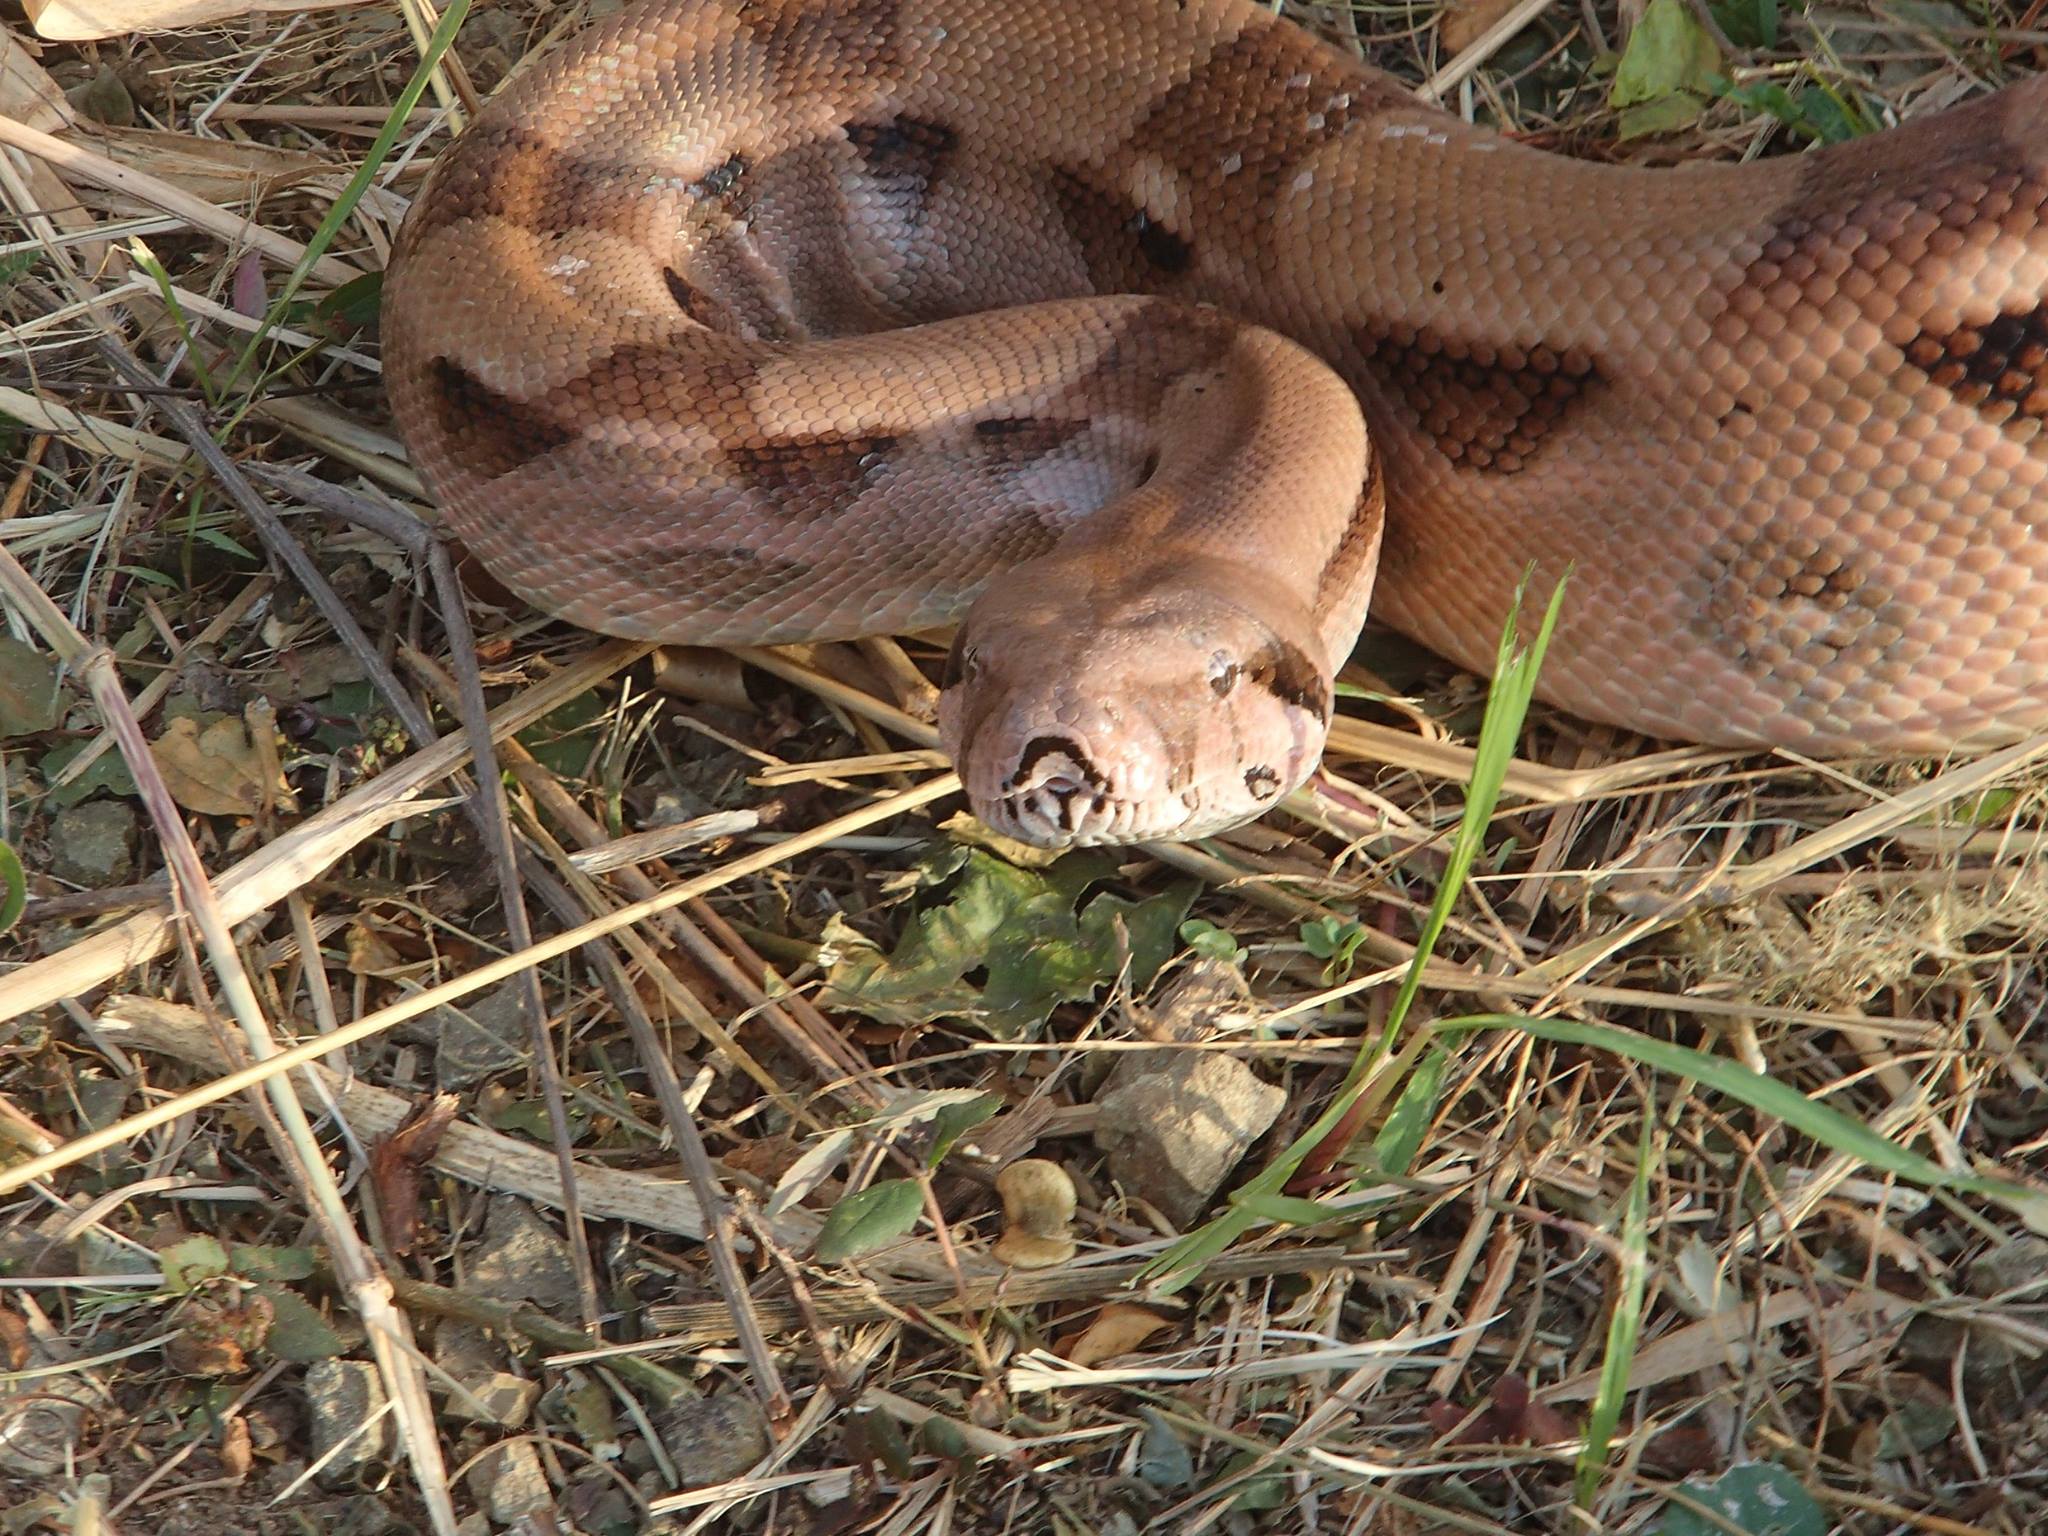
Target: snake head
[1078,715]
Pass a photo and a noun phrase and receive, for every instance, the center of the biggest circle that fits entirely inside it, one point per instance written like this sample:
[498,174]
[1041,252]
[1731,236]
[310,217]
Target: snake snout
[1057,794]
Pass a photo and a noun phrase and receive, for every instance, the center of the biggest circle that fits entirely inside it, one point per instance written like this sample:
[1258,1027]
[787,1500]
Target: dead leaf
[235,1454]
[73,21]
[27,93]
[1120,1328]
[218,170]
[1511,1418]
[1466,21]
[214,1339]
[14,1345]
[395,1164]
[216,771]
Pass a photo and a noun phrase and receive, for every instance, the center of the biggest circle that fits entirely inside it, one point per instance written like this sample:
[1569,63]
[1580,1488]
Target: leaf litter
[1818,1343]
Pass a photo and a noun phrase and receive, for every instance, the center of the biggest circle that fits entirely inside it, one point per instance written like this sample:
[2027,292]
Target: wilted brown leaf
[216,771]
[1118,1329]
[395,1164]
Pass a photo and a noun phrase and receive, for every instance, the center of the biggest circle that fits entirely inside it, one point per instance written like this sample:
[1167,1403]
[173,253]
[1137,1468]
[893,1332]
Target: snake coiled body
[1115,325]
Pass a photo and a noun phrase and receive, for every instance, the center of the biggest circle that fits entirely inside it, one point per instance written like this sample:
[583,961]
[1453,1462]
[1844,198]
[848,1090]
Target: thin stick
[196,211]
[389,1333]
[372,1024]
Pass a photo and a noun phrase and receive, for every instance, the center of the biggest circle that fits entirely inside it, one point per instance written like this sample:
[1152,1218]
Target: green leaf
[1761,1499]
[1747,23]
[353,306]
[14,266]
[28,689]
[563,739]
[298,1333]
[1400,1139]
[1021,929]
[955,1121]
[1324,937]
[107,772]
[13,887]
[1206,939]
[1813,112]
[149,577]
[1667,73]
[1507,705]
[873,1219]
[264,1262]
[1335,941]
[225,544]
[192,1261]
[529,1118]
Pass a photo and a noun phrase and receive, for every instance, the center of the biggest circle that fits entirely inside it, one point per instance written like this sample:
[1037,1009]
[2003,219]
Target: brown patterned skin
[758,320]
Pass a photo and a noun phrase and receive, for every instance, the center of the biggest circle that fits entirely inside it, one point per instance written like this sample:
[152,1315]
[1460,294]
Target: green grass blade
[1507,704]
[1623,1328]
[345,205]
[1813,1119]
[1514,686]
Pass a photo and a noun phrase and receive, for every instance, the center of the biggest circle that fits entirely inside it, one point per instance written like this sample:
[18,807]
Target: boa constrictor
[1118,326]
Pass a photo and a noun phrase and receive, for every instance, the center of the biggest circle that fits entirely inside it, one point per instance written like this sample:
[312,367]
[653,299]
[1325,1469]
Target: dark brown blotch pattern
[1290,675]
[1017,440]
[1487,407]
[2001,367]
[1125,247]
[903,157]
[1785,604]
[502,171]
[1253,110]
[484,431]
[812,472]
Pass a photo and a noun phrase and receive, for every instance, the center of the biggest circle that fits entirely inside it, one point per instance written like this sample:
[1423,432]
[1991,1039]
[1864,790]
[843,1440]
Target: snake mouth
[1057,797]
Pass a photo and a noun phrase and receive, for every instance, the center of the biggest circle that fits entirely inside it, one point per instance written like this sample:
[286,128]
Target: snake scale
[1137,335]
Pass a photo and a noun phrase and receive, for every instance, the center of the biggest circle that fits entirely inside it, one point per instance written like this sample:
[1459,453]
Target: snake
[1149,343]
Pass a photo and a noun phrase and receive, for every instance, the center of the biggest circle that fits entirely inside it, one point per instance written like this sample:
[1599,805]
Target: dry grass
[1873,939]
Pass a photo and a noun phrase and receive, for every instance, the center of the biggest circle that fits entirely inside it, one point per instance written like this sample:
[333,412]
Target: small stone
[43,1422]
[509,1481]
[498,1398]
[92,845]
[2011,1266]
[521,1258]
[715,1439]
[484,1036]
[1176,1123]
[341,1397]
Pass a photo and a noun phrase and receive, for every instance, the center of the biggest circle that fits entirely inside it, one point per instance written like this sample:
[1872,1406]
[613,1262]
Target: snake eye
[1223,674]
[963,663]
